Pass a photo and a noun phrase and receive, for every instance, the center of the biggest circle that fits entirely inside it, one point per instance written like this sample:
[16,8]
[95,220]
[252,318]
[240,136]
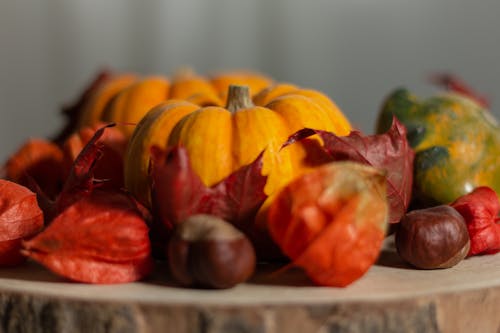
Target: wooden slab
[391,297]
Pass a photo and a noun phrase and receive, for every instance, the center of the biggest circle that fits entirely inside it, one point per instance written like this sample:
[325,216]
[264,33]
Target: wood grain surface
[391,297]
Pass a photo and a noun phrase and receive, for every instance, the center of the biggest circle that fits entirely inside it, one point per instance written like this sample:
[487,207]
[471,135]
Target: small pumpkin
[133,102]
[456,143]
[153,130]
[126,98]
[220,140]
[96,104]
[273,92]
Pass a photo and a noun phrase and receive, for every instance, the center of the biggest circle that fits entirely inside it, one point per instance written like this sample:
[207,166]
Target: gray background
[356,51]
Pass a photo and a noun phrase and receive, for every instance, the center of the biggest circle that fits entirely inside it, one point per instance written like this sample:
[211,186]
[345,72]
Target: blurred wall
[356,51]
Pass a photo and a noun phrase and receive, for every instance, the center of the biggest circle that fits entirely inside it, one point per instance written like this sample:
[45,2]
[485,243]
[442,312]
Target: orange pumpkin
[93,110]
[132,103]
[219,140]
[127,98]
[273,92]
[153,129]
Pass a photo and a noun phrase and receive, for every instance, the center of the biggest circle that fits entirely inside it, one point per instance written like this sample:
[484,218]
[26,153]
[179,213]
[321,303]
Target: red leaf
[177,190]
[480,210]
[457,85]
[81,181]
[241,194]
[113,143]
[390,152]
[179,193]
[101,238]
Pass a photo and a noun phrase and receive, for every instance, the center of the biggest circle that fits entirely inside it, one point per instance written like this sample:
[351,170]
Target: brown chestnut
[207,251]
[435,237]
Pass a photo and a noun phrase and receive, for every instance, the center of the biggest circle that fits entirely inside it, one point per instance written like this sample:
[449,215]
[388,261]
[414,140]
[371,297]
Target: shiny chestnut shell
[206,251]
[435,237]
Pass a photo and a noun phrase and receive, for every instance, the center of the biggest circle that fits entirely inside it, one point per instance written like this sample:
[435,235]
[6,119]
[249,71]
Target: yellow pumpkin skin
[93,110]
[127,98]
[153,129]
[189,86]
[341,123]
[132,103]
[221,140]
[276,90]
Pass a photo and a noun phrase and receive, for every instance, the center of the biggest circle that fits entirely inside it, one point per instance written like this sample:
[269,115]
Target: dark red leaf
[457,85]
[390,152]
[177,189]
[114,145]
[179,193]
[239,196]
[480,210]
[81,181]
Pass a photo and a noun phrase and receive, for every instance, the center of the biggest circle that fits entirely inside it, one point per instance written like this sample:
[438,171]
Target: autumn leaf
[81,181]
[113,145]
[178,192]
[390,152]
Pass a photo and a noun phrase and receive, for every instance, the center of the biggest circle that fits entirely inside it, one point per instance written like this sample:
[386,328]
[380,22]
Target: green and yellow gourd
[456,141]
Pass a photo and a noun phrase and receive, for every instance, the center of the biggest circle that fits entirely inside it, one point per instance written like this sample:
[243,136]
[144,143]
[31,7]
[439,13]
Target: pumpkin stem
[238,97]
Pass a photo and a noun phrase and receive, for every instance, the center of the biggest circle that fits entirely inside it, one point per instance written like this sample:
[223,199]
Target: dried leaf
[390,152]
[113,143]
[178,192]
[81,181]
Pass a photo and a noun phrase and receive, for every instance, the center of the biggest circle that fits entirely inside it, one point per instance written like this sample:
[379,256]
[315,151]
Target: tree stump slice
[391,297]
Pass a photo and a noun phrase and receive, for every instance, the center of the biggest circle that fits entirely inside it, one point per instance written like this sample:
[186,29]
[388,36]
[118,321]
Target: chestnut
[207,251]
[431,238]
